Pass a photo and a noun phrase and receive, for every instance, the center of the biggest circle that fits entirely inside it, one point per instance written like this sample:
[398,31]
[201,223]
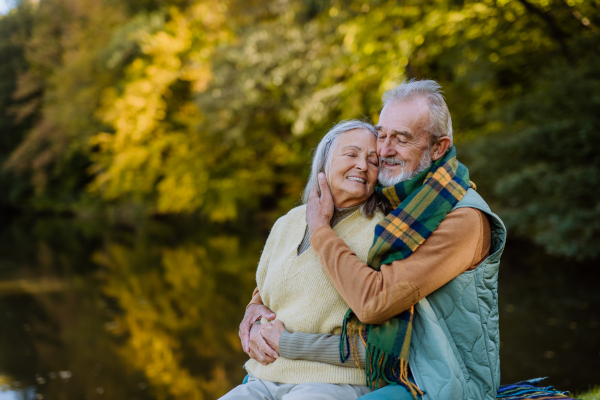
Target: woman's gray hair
[440,123]
[322,159]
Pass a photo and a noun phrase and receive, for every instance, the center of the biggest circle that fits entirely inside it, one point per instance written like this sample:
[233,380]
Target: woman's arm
[323,348]
[317,347]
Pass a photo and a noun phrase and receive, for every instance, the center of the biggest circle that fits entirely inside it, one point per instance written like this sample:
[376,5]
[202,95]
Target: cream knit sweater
[297,289]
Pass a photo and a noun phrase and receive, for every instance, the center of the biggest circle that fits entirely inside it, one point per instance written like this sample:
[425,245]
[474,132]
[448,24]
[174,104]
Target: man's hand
[271,333]
[254,312]
[320,208]
[259,350]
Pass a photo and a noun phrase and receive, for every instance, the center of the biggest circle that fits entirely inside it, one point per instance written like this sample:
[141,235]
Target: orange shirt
[460,243]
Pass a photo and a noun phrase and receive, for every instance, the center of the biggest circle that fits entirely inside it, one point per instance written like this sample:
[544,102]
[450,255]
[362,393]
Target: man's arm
[459,243]
[256,299]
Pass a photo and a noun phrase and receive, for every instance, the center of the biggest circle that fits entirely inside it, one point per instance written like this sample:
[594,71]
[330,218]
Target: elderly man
[431,280]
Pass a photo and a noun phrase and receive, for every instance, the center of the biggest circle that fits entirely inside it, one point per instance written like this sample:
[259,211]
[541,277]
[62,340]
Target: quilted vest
[454,349]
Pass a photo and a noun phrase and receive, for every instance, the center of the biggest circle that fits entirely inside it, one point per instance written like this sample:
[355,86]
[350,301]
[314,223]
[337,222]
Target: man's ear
[440,148]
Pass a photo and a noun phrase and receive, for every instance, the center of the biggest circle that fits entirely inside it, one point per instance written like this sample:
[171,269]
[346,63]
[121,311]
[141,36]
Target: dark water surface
[152,311]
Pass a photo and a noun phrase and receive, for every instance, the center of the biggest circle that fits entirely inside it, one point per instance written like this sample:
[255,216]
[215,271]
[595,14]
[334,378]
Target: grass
[593,394]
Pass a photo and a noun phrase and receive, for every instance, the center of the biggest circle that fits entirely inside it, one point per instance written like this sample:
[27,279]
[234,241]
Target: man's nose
[386,149]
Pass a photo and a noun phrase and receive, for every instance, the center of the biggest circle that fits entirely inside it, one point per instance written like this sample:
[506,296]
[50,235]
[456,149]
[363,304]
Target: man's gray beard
[386,178]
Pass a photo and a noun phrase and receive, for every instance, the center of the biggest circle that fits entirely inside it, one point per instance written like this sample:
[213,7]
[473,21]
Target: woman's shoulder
[294,216]
[297,212]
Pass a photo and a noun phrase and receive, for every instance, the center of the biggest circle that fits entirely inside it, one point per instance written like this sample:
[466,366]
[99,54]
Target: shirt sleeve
[459,244]
[256,299]
[323,348]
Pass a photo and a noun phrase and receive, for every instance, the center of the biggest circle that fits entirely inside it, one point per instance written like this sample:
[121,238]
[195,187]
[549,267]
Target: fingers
[268,314]
[244,333]
[259,349]
[260,357]
[278,325]
[314,194]
[264,347]
[253,313]
[265,312]
[325,192]
[271,334]
[249,318]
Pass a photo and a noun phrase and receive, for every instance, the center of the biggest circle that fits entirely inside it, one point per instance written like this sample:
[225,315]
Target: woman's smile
[357,179]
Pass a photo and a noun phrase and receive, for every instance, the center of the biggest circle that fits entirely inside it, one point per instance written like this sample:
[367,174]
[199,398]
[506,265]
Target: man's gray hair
[440,123]
[322,159]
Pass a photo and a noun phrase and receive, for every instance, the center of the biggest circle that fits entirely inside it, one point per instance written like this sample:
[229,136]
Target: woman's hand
[271,333]
[259,350]
[254,312]
[320,208]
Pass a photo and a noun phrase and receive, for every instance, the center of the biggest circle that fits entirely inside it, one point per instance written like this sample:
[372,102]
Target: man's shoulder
[472,199]
[465,218]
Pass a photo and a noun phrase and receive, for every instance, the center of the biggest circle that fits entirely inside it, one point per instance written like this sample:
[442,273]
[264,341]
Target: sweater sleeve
[459,244]
[323,348]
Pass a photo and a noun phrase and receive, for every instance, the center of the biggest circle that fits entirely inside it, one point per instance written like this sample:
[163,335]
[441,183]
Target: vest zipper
[416,381]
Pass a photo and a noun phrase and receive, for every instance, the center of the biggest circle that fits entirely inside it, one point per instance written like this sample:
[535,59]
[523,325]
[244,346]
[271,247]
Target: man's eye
[380,137]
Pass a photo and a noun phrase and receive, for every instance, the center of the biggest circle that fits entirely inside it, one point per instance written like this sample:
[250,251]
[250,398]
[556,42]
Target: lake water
[93,311]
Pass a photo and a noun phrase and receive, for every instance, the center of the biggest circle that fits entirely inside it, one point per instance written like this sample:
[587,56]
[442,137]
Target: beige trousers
[256,389]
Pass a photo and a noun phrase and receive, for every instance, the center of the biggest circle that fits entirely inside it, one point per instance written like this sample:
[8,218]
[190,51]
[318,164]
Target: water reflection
[145,313]
[91,311]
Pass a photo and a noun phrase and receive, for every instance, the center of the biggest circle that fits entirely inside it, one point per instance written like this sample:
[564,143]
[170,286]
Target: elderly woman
[292,282]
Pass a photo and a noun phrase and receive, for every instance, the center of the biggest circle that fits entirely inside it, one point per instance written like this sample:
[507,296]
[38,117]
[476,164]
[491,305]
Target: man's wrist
[319,232]
[315,226]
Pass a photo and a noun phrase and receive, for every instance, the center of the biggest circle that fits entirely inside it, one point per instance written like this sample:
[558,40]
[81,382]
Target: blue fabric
[390,392]
[245,380]
[529,390]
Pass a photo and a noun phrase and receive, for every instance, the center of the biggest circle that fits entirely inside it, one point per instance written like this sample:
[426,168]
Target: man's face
[403,141]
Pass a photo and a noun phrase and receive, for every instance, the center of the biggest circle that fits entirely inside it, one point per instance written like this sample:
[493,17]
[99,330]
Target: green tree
[212,108]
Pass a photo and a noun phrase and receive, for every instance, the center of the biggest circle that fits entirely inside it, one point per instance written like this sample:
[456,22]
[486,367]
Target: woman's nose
[361,164]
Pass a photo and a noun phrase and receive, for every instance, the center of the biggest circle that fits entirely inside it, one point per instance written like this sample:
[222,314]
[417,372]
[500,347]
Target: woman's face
[354,167]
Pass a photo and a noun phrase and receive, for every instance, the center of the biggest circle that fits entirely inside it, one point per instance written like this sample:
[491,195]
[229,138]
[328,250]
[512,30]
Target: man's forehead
[391,131]
[403,116]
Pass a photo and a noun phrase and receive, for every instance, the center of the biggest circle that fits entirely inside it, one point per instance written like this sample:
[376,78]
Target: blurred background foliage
[211,108]
[144,119]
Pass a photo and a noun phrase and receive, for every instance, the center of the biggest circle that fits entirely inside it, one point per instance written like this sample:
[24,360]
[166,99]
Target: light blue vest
[454,348]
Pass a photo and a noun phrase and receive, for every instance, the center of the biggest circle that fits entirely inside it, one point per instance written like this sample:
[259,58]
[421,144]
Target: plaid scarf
[421,204]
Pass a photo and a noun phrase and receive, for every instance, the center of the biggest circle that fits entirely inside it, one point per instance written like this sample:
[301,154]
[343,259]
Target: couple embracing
[380,291]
